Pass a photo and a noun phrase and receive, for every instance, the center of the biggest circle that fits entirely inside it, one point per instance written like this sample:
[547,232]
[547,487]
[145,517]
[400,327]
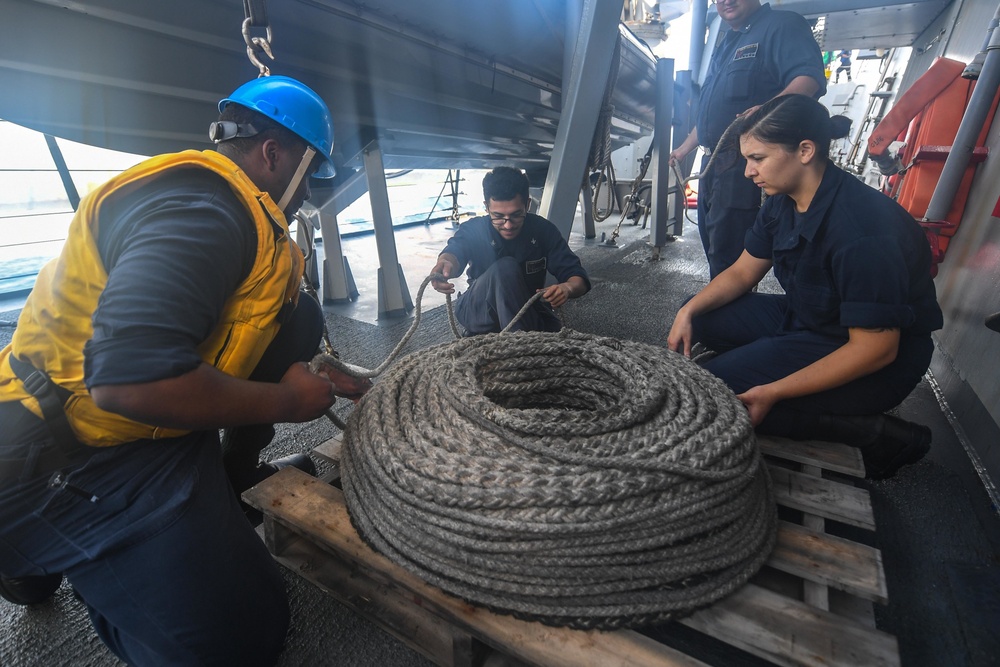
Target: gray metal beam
[64,175]
[305,237]
[665,221]
[581,105]
[338,281]
[587,203]
[338,284]
[393,296]
[574,17]
[347,192]
[699,18]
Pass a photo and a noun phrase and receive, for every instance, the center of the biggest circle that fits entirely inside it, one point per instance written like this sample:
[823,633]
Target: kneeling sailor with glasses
[508,253]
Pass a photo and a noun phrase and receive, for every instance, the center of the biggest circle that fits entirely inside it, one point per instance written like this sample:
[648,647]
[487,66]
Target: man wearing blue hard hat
[174,311]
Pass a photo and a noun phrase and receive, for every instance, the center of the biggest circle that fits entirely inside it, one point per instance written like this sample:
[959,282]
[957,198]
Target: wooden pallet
[811,605]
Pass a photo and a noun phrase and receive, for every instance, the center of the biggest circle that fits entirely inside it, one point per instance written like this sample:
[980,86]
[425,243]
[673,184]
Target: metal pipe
[583,89]
[973,69]
[663,184]
[393,295]
[968,132]
[64,175]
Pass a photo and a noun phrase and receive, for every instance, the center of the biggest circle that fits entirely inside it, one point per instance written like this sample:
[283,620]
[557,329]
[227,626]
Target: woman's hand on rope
[758,401]
[680,336]
[445,266]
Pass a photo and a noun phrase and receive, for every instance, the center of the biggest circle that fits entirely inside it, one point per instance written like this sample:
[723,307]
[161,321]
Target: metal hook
[255,44]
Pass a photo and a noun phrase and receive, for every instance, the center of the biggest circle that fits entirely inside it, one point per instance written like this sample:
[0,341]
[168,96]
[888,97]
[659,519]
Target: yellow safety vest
[56,320]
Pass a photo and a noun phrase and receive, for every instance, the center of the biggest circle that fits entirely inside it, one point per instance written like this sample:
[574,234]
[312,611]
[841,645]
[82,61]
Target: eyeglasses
[514,219]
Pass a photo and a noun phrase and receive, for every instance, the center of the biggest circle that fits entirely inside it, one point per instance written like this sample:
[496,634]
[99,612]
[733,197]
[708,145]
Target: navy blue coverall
[503,274]
[854,259]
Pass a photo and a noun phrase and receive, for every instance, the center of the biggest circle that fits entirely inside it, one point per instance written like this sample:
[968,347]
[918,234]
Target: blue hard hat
[294,105]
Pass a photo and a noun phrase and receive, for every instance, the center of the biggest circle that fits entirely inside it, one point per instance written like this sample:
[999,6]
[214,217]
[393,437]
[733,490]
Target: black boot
[900,443]
[887,443]
[300,461]
[241,447]
[30,590]
[265,470]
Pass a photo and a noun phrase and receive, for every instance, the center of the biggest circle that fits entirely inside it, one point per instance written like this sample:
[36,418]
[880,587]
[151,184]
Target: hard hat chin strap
[300,173]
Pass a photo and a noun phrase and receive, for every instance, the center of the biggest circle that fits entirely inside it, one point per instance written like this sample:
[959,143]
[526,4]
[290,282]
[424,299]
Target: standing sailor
[766,53]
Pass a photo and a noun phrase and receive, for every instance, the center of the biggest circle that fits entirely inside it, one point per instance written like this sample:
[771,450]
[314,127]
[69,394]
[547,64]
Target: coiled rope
[562,477]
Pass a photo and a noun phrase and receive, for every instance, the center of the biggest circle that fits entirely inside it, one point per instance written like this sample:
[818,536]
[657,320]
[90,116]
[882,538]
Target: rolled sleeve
[873,282]
[876,315]
[796,52]
[563,263]
[758,242]
[468,235]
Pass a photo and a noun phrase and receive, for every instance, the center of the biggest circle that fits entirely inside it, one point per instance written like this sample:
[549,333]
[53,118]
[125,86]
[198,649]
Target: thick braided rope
[324,358]
[567,478]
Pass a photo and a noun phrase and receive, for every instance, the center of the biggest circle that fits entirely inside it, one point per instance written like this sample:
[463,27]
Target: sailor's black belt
[50,458]
[62,449]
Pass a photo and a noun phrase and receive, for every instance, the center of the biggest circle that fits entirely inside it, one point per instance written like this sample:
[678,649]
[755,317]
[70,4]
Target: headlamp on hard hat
[224,130]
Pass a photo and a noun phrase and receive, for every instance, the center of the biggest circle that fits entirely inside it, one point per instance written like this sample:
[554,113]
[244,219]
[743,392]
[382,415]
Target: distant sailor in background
[845,65]
[851,336]
[509,253]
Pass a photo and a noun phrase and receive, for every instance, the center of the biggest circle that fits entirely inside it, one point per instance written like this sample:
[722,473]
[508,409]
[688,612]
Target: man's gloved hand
[346,386]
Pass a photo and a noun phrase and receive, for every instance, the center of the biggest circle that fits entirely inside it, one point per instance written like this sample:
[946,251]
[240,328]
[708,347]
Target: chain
[308,231]
[605,179]
[256,17]
[631,199]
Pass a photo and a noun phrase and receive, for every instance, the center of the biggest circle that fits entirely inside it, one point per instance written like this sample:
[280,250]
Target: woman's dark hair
[791,119]
[505,183]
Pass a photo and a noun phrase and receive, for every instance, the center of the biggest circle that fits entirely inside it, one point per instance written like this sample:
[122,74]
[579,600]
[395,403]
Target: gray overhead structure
[867,24]
[850,24]
[411,83]
[422,83]
[439,84]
